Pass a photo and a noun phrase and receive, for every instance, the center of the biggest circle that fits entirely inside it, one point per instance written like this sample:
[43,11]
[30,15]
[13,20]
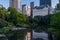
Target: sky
[5,3]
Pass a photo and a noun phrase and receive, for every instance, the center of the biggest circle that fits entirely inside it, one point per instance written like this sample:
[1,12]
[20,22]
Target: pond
[40,35]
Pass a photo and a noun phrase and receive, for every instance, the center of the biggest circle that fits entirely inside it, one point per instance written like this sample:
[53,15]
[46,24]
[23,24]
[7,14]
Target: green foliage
[38,23]
[58,6]
[55,25]
[2,23]
[11,16]
[6,29]
[10,19]
[15,17]
[54,31]
[2,14]
[21,18]
[55,20]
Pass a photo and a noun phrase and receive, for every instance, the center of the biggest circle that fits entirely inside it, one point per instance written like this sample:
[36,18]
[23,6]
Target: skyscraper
[26,10]
[59,1]
[45,2]
[15,3]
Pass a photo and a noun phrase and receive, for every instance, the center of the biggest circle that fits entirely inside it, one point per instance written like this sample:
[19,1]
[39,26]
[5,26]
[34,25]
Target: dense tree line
[10,18]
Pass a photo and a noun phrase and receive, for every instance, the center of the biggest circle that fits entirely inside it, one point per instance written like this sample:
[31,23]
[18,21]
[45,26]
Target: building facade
[15,3]
[42,12]
[26,10]
[45,3]
[1,6]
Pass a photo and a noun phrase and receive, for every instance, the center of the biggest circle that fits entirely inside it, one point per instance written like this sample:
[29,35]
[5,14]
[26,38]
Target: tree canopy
[10,18]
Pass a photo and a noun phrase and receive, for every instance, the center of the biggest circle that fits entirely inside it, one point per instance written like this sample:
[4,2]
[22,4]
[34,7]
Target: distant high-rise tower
[59,1]
[15,3]
[45,2]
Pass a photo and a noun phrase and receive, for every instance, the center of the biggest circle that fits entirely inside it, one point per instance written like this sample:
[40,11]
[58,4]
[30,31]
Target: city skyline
[6,2]
[45,3]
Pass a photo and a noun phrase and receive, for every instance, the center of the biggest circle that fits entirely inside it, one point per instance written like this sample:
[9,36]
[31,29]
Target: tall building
[15,3]
[1,6]
[32,6]
[45,2]
[23,8]
[59,1]
[26,10]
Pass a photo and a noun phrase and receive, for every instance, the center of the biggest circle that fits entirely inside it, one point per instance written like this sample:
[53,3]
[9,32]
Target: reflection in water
[40,35]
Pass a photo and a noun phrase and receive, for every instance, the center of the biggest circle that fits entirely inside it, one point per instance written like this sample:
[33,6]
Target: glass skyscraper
[45,2]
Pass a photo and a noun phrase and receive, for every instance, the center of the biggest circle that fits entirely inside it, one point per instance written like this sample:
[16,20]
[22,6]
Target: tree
[17,18]
[12,18]
[38,23]
[41,22]
[5,26]
[55,20]
[21,20]
[55,25]
[58,6]
[2,14]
